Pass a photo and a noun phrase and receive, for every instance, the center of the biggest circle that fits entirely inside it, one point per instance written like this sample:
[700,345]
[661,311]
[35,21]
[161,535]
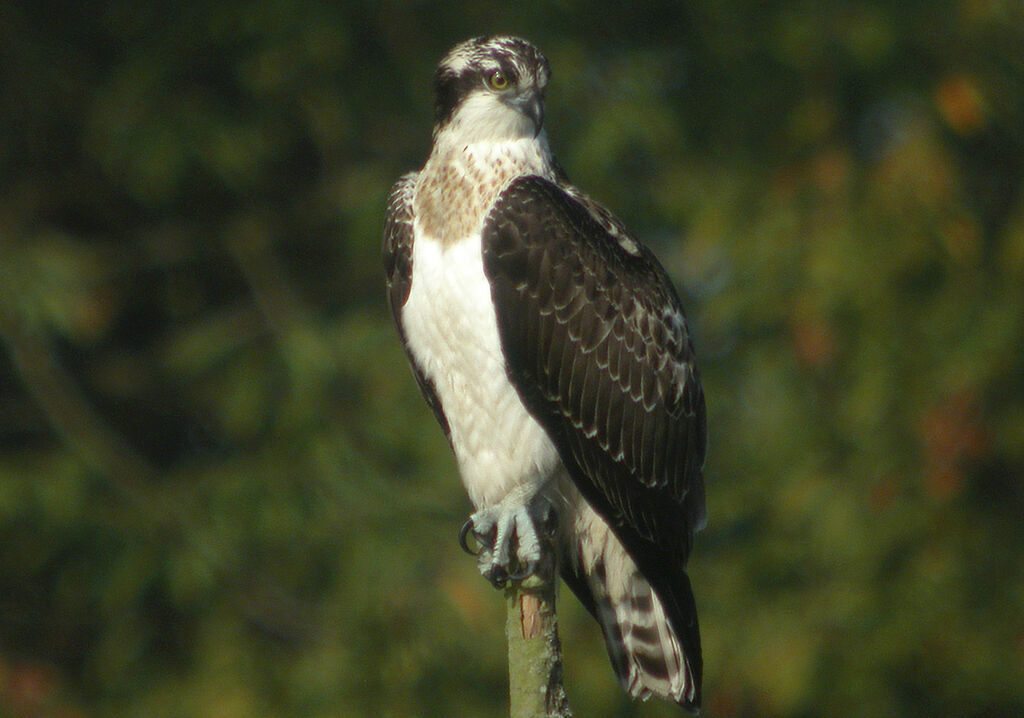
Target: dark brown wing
[398,241]
[597,346]
[596,343]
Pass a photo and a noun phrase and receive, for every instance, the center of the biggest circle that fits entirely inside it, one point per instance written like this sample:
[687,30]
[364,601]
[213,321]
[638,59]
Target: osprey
[553,350]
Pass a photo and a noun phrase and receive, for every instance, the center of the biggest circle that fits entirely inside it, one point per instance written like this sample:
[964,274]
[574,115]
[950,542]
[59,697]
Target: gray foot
[513,540]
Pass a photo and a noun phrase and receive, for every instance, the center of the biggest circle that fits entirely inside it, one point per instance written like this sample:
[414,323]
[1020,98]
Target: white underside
[451,327]
[452,330]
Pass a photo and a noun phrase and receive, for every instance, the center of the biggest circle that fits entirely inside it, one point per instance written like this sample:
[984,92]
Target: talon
[467,528]
[510,539]
[525,572]
[497,576]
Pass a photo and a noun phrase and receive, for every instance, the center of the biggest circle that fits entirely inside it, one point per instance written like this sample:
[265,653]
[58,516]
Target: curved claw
[497,576]
[500,576]
[464,532]
[524,572]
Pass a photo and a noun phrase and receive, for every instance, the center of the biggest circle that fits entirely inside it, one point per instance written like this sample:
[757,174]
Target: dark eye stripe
[466,71]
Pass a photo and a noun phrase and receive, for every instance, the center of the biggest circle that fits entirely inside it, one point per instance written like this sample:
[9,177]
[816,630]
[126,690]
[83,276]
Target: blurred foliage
[220,493]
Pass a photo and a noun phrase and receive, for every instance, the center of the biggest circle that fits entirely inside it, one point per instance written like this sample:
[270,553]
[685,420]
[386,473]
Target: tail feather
[651,635]
[646,652]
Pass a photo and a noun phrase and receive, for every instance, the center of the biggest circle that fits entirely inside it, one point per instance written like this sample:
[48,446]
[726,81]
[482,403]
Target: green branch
[534,651]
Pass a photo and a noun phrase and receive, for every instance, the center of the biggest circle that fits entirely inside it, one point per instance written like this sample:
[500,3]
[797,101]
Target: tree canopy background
[220,492]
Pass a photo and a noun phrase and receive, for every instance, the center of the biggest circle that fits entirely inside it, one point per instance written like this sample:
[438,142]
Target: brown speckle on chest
[456,188]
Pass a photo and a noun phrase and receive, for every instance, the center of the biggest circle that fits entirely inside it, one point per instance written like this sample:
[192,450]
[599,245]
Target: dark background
[220,492]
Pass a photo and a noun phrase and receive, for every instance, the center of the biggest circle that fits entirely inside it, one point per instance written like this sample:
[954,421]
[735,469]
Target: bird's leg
[513,537]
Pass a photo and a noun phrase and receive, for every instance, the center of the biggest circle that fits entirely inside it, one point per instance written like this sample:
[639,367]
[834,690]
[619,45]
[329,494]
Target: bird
[554,352]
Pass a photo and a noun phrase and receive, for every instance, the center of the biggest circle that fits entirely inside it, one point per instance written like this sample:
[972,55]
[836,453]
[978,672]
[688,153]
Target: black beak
[534,109]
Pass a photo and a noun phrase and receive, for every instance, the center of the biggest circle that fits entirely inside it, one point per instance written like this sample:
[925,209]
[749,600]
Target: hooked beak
[535,111]
[531,104]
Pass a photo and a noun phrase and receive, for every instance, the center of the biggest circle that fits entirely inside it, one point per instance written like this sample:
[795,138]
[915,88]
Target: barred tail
[651,635]
[645,648]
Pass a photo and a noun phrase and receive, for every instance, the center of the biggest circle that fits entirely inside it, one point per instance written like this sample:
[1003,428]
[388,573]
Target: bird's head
[491,89]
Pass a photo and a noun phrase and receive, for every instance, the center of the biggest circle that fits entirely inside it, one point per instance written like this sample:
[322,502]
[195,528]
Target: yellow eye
[497,80]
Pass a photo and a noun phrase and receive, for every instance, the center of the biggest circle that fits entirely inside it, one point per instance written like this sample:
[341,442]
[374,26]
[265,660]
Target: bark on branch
[534,651]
